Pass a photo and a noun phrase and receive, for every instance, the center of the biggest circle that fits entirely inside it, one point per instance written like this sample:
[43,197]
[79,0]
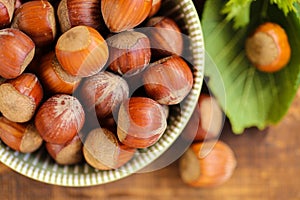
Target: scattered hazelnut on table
[207,164]
[207,120]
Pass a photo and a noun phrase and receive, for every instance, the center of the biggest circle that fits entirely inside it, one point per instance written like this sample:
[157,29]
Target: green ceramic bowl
[39,166]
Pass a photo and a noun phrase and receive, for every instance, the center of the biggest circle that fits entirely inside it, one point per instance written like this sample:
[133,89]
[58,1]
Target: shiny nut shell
[103,93]
[169,80]
[82,51]
[16,52]
[122,15]
[129,52]
[37,20]
[77,12]
[60,118]
[141,122]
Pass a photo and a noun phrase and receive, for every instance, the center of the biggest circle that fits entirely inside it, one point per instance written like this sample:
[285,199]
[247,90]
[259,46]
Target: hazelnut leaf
[249,98]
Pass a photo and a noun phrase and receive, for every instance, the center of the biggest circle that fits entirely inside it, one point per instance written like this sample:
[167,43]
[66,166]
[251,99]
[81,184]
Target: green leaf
[249,97]
[285,5]
[238,11]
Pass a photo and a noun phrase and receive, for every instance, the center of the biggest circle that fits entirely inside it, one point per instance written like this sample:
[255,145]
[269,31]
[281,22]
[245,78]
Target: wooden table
[268,168]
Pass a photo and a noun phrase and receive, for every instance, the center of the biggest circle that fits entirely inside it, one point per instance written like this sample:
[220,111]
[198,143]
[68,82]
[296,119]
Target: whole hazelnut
[22,137]
[268,48]
[54,78]
[16,52]
[129,52]
[37,20]
[168,81]
[98,143]
[20,97]
[81,51]
[76,12]
[207,120]
[165,37]
[59,118]
[103,93]
[122,15]
[69,153]
[141,122]
[207,164]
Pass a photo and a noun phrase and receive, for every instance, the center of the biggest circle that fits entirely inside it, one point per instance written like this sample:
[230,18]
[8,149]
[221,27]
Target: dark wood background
[268,168]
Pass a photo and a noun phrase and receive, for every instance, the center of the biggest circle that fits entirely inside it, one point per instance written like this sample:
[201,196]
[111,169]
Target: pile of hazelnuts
[77,77]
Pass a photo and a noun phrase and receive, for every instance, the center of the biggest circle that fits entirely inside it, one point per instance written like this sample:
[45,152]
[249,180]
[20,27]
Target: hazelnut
[169,80]
[59,119]
[16,53]
[82,51]
[22,137]
[54,78]
[165,37]
[20,97]
[141,122]
[129,52]
[37,20]
[121,15]
[207,164]
[268,47]
[69,153]
[7,8]
[207,120]
[98,143]
[73,13]
[103,93]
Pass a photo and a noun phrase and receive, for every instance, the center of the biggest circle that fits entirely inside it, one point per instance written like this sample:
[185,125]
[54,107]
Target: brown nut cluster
[70,74]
